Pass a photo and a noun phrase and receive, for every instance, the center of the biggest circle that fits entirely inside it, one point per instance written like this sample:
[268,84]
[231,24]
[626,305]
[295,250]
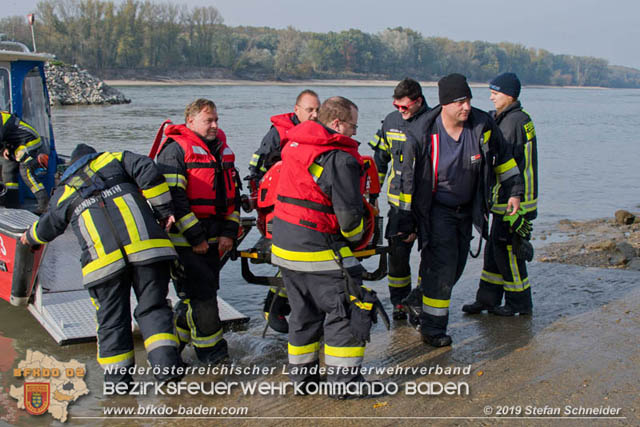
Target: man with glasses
[411,107]
[306,108]
[318,216]
[450,169]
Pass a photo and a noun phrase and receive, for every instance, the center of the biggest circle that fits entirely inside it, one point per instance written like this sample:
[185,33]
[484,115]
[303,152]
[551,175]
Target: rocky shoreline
[606,242]
[70,85]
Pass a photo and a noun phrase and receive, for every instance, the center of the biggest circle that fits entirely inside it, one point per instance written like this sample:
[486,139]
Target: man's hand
[513,204]
[410,238]
[201,248]
[224,244]
[6,154]
[23,239]
[167,222]
[519,225]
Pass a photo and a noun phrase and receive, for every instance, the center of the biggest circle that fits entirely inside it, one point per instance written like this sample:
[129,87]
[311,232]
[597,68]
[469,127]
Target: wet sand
[579,349]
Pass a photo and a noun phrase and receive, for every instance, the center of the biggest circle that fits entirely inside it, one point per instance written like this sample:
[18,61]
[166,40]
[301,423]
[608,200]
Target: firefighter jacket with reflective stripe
[204,186]
[319,209]
[388,141]
[419,180]
[105,200]
[518,130]
[269,152]
[19,137]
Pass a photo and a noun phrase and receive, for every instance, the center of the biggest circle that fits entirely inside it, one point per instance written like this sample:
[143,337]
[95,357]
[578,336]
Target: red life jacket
[282,123]
[202,167]
[300,200]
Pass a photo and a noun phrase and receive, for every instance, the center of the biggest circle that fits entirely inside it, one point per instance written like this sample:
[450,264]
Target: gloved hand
[519,225]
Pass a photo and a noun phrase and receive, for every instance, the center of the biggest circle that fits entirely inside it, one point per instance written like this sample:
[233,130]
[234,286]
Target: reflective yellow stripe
[34,236]
[509,164]
[142,245]
[254,160]
[343,351]
[110,360]
[493,278]
[11,185]
[527,174]
[102,261]
[402,197]
[129,221]
[326,255]
[186,222]
[175,180]
[530,130]
[486,136]
[93,233]
[303,349]
[235,217]
[158,190]
[68,192]
[158,337]
[315,170]
[438,303]
[104,159]
[355,231]
[362,305]
[396,136]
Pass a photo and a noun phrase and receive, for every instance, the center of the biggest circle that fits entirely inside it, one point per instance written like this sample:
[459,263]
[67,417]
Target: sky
[603,29]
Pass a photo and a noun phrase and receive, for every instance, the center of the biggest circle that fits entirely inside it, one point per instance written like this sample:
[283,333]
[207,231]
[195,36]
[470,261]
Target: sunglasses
[404,107]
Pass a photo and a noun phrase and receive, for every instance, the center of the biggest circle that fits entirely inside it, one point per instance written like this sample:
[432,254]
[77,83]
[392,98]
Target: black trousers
[503,272]
[399,270]
[319,307]
[442,262]
[153,314]
[197,315]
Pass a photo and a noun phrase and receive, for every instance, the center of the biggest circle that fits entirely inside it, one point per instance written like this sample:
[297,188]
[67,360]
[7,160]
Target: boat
[47,280]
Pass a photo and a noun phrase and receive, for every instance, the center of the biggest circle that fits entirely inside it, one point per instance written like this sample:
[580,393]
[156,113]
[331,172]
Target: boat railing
[13,46]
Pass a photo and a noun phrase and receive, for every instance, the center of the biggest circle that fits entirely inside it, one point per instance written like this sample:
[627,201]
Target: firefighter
[449,171]
[505,268]
[411,107]
[199,168]
[20,144]
[318,215]
[104,196]
[306,108]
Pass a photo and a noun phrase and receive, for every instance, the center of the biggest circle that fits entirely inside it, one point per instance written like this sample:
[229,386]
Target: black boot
[477,307]
[275,314]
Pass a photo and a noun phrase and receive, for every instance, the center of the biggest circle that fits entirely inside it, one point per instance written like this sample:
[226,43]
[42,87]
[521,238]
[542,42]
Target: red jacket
[282,123]
[202,168]
[300,199]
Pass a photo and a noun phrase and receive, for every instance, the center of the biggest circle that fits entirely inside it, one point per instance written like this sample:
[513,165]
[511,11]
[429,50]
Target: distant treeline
[146,39]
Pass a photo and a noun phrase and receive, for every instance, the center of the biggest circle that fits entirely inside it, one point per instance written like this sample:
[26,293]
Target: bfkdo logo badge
[36,398]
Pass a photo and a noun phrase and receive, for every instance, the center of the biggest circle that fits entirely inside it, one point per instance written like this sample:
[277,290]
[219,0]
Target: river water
[588,164]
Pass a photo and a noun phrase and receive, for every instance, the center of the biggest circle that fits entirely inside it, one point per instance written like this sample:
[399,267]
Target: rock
[634,264]
[617,259]
[628,251]
[603,245]
[624,217]
[68,85]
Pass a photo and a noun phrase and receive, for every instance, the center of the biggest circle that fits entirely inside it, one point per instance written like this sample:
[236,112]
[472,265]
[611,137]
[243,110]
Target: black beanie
[81,150]
[507,83]
[453,88]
